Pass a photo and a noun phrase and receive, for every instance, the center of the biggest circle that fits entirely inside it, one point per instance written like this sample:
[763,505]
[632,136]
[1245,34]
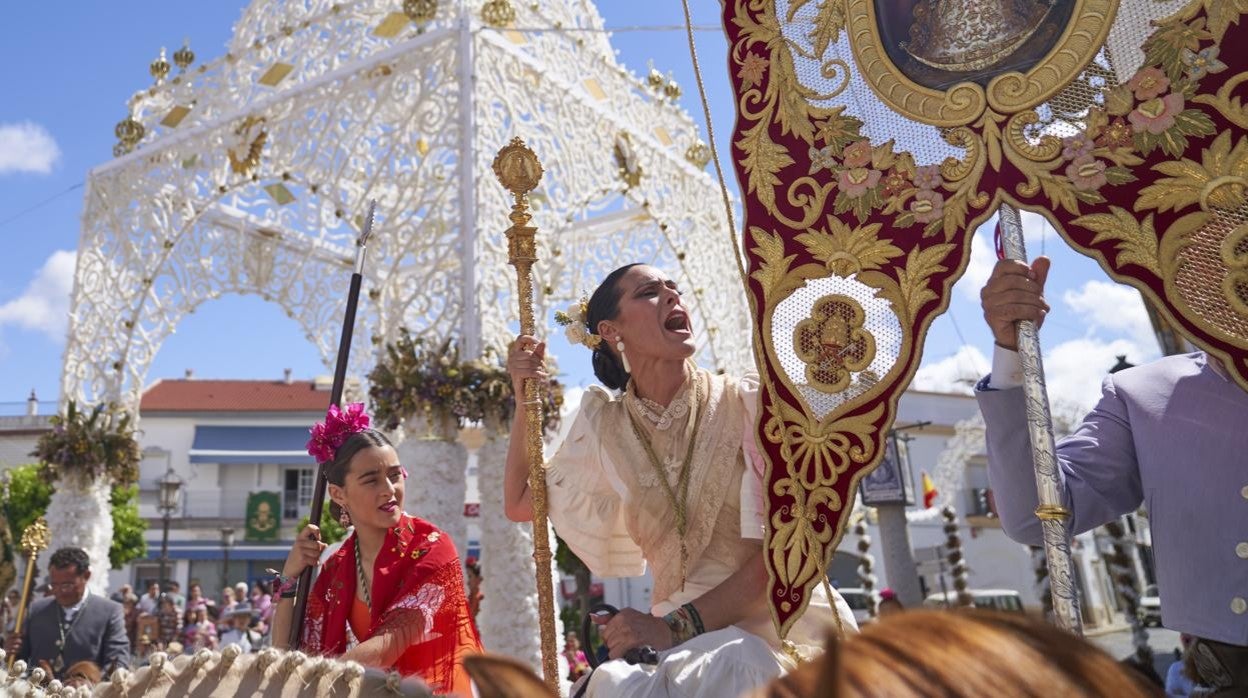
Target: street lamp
[170,487]
[227,542]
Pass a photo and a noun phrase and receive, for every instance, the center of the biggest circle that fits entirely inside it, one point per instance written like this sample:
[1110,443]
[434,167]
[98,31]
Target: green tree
[331,530]
[128,527]
[569,563]
[26,498]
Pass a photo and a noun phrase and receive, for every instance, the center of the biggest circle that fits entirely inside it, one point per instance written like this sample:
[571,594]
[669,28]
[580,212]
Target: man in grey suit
[1171,435]
[73,625]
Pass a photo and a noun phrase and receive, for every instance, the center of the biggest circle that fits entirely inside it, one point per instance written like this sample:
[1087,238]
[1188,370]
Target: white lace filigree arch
[248,174]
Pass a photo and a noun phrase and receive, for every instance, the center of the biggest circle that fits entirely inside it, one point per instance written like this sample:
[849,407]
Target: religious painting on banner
[874,136]
[891,481]
[263,509]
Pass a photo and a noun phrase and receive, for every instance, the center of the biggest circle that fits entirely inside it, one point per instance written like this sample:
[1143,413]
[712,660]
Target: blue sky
[69,68]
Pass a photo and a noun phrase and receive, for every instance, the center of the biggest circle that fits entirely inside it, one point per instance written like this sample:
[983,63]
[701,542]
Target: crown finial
[159,68]
[184,56]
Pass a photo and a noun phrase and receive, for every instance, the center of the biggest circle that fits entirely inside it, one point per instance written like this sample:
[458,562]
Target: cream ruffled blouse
[606,502]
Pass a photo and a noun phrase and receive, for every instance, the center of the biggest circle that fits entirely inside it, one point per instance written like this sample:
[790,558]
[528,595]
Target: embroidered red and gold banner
[873,136]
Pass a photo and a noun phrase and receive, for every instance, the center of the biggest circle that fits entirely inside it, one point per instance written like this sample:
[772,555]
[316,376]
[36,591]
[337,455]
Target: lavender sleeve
[1097,463]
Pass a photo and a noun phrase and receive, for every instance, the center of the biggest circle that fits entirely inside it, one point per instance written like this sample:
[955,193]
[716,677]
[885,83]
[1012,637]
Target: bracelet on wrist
[698,627]
[284,587]
[681,625]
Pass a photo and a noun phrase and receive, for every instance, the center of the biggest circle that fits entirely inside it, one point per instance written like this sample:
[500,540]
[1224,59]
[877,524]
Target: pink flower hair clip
[339,425]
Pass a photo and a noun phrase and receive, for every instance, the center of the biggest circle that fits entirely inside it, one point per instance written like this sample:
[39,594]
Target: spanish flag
[929,491]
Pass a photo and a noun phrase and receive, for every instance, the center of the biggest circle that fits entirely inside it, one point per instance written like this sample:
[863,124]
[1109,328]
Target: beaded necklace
[362,582]
[678,497]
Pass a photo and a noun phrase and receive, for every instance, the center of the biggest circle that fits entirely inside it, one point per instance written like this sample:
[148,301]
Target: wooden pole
[335,398]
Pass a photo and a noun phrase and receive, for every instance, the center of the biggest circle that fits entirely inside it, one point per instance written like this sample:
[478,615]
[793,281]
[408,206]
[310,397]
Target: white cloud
[984,253]
[978,268]
[1115,308]
[1035,229]
[1074,369]
[44,305]
[957,373]
[27,147]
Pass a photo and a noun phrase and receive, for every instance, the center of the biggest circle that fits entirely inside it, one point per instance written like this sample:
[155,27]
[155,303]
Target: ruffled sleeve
[584,505]
[753,507]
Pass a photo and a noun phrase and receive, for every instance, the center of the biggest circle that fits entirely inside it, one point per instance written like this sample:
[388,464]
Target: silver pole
[1052,512]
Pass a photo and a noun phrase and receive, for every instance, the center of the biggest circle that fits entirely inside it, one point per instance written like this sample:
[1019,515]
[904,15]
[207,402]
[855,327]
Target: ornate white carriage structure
[249,173]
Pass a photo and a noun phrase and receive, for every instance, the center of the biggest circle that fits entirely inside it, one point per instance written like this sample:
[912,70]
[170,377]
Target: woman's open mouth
[389,507]
[678,322]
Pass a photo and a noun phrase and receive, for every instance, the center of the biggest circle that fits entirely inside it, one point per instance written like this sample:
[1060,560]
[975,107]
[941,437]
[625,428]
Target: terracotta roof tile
[233,396]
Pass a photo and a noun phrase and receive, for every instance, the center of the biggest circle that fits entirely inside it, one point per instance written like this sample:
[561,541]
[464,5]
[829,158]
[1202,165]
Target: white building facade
[224,441]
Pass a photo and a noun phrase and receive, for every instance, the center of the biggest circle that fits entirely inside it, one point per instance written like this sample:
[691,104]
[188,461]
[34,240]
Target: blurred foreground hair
[961,654]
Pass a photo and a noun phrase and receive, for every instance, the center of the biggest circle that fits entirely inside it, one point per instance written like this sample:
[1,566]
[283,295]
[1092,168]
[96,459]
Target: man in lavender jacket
[1171,435]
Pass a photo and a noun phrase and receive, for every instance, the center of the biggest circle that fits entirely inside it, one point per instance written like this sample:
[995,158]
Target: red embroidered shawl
[418,589]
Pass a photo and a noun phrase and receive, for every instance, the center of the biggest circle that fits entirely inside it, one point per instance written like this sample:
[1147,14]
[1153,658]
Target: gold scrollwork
[963,103]
[958,169]
[1085,34]
[1016,139]
[800,530]
[816,452]
[830,70]
[1231,108]
[833,342]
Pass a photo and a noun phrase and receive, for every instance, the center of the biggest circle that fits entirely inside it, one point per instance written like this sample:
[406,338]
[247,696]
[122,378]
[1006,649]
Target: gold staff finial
[34,539]
[519,171]
[517,167]
[159,68]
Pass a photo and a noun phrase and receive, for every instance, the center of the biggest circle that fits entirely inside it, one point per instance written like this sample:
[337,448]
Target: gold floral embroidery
[831,203]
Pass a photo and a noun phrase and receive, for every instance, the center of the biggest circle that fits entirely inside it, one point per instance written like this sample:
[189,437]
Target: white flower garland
[438,468]
[79,515]
[509,612]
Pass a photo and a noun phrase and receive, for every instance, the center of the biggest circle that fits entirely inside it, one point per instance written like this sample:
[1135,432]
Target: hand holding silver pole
[1052,512]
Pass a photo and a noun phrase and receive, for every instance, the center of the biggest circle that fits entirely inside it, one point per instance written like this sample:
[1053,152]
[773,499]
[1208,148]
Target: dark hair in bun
[605,305]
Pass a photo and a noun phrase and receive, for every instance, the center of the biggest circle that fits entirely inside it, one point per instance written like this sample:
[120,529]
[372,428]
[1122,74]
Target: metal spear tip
[517,167]
[368,223]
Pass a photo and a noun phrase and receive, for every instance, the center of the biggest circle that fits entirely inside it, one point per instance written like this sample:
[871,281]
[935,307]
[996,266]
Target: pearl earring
[619,347]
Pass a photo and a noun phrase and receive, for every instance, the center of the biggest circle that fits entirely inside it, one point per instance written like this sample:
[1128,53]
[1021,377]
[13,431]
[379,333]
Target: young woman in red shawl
[393,595]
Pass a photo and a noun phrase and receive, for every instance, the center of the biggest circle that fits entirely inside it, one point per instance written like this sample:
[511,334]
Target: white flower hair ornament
[575,324]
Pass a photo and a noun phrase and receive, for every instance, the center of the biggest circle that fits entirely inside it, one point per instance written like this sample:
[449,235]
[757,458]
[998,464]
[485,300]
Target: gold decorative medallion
[246,145]
[833,342]
[626,160]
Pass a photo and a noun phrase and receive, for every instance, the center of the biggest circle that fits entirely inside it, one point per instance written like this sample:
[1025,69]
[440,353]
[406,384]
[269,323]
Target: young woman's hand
[305,553]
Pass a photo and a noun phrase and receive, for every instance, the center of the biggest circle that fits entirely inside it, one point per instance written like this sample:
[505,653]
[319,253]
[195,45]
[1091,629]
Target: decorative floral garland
[91,444]
[417,378]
